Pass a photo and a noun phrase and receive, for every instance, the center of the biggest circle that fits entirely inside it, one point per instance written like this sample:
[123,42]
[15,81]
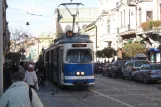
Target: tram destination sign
[79,45]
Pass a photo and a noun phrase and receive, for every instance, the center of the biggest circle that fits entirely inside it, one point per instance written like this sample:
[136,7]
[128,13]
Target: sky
[17,15]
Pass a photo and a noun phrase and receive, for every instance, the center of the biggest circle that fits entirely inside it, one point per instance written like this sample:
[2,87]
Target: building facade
[42,42]
[103,30]
[64,19]
[132,21]
[6,33]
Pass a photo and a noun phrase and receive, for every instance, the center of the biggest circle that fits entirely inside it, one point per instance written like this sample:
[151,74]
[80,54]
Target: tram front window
[79,56]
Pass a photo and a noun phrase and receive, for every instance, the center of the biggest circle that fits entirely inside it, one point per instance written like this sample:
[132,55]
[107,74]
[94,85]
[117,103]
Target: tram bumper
[79,82]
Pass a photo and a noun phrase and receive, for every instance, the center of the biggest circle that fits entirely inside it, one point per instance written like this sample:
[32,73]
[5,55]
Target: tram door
[60,63]
[47,62]
[49,66]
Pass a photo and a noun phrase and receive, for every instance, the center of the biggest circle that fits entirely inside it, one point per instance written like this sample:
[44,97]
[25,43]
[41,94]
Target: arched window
[108,26]
[68,27]
[84,26]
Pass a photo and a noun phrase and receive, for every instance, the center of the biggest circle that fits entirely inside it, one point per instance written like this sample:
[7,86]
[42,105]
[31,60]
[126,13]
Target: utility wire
[33,14]
[29,22]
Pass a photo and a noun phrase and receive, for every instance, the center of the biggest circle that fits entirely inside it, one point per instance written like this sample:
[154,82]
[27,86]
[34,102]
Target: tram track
[79,100]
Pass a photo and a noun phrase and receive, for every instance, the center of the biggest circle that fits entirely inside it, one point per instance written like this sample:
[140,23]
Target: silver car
[148,72]
[130,67]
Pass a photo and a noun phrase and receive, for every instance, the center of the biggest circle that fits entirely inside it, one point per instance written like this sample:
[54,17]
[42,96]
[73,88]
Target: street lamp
[27,23]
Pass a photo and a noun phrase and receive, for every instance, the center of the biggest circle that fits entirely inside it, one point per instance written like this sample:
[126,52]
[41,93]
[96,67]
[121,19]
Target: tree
[109,52]
[99,54]
[19,39]
[131,49]
[15,56]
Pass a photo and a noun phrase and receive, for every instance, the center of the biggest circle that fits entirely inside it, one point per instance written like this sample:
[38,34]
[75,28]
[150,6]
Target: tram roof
[77,38]
[74,40]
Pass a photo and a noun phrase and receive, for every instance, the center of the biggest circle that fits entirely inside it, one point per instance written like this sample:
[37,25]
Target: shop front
[153,55]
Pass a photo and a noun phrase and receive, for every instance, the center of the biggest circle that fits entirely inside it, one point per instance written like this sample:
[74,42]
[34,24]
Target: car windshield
[121,63]
[140,63]
[79,56]
[156,67]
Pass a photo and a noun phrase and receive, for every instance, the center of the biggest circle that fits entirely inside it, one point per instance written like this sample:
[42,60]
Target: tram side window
[79,56]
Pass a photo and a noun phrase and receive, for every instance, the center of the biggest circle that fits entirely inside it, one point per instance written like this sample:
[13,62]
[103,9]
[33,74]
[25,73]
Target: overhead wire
[29,22]
[33,14]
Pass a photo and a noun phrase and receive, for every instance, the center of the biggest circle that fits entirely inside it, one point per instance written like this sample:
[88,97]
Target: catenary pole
[1,47]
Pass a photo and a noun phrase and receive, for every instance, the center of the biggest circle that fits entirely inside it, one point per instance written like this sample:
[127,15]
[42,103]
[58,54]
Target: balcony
[134,2]
[125,29]
[131,2]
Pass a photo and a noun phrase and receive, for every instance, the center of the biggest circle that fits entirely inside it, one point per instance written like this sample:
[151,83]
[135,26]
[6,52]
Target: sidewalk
[59,99]
[45,95]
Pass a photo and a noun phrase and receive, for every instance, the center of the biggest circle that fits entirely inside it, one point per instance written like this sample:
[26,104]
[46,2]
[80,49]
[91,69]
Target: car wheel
[135,79]
[145,80]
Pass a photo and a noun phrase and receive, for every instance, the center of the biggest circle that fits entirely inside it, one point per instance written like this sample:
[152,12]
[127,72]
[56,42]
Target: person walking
[41,73]
[20,94]
[31,77]
[14,67]
[21,68]
[7,76]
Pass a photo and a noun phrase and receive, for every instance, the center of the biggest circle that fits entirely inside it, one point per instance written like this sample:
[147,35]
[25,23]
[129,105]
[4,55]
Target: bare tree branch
[19,38]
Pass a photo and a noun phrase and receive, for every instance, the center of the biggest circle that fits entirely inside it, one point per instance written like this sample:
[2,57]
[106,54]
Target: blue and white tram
[70,62]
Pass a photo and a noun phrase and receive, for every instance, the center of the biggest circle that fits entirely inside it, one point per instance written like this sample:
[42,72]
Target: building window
[68,27]
[84,26]
[121,19]
[108,26]
[149,15]
[124,17]
[109,44]
[140,17]
[160,11]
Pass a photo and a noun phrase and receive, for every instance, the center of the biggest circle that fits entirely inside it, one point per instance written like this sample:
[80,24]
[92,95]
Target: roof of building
[85,14]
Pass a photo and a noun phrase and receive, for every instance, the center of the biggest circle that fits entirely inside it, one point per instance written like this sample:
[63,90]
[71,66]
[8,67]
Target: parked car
[148,72]
[98,67]
[130,67]
[106,69]
[116,68]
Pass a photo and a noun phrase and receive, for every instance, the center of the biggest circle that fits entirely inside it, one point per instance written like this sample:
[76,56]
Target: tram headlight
[82,73]
[78,73]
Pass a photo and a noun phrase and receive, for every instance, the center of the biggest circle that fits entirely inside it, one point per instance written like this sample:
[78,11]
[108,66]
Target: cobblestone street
[107,92]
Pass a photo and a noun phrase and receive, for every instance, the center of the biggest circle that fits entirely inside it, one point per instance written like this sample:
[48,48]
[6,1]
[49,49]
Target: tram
[69,61]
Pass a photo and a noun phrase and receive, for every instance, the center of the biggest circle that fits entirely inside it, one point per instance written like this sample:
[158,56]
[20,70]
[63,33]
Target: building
[149,12]
[132,19]
[42,42]
[6,33]
[103,30]
[64,19]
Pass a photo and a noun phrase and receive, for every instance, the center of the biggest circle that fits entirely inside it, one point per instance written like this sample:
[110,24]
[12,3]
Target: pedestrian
[41,72]
[7,76]
[30,77]
[21,68]
[14,67]
[20,94]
